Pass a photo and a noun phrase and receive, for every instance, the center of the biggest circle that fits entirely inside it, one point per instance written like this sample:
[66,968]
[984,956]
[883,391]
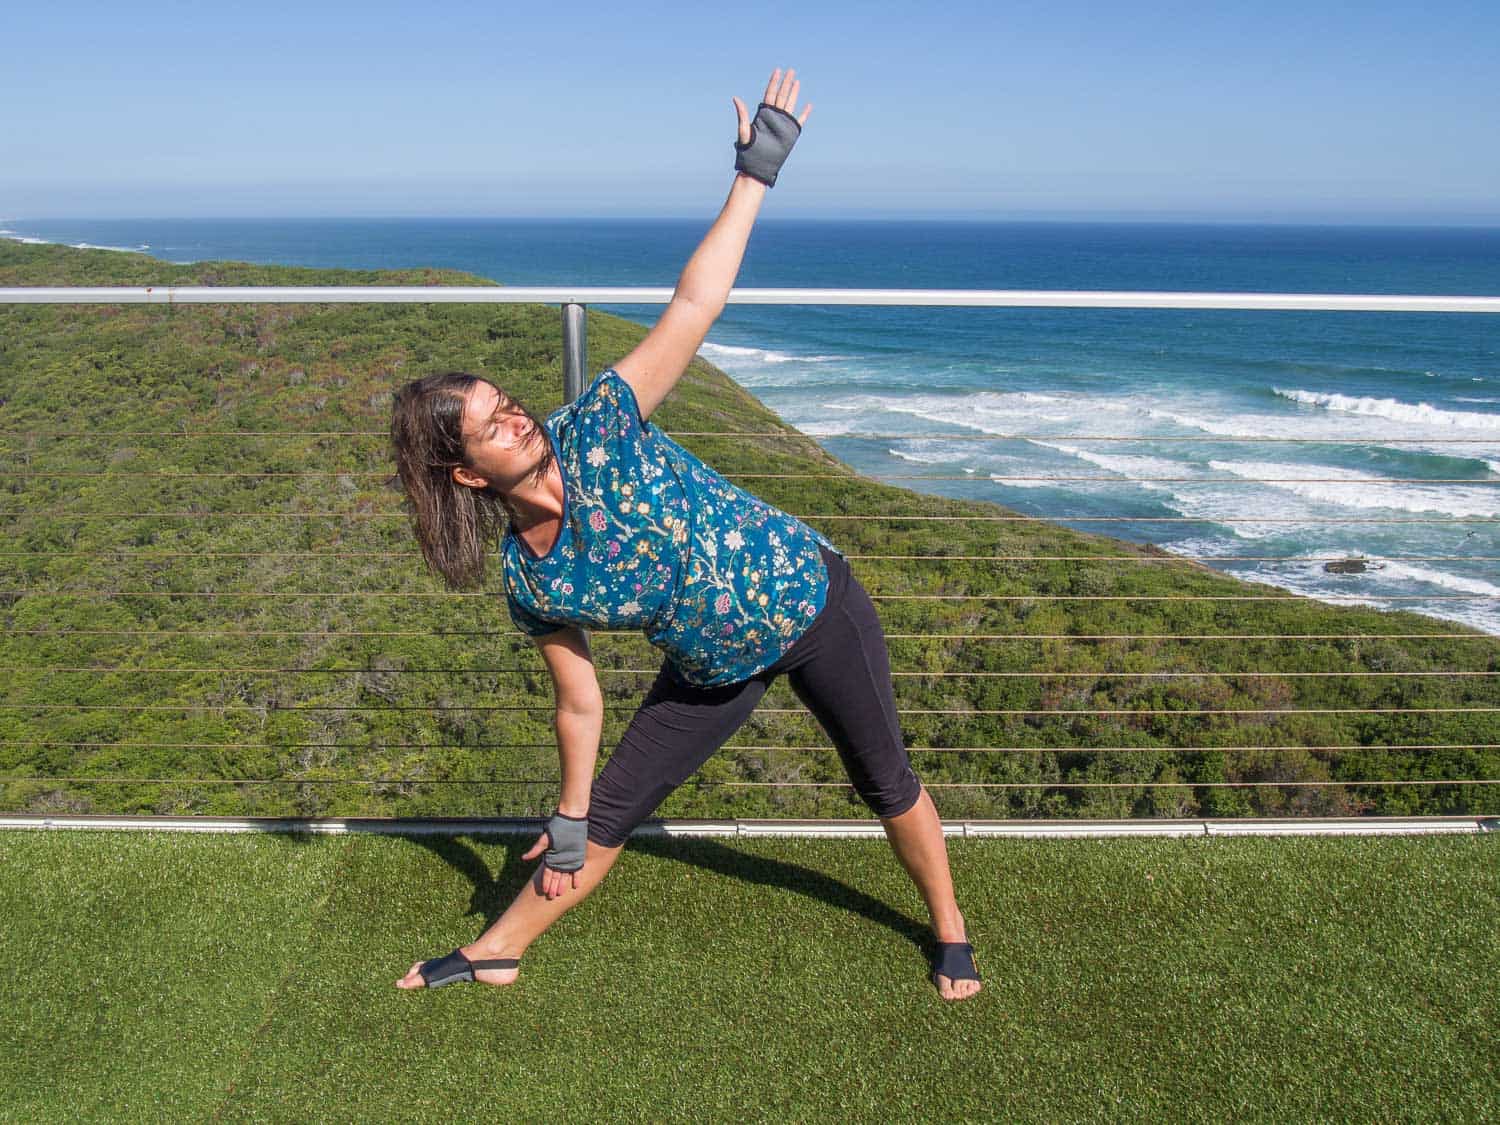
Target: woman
[610,524]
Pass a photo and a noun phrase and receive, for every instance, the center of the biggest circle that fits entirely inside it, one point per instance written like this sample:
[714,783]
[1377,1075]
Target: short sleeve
[628,402]
[610,401]
[528,622]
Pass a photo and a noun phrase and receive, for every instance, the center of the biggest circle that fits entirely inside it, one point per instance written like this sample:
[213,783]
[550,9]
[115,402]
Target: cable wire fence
[210,612]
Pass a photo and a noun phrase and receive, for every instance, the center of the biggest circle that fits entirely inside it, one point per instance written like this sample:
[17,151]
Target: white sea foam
[1126,466]
[1421,413]
[1222,505]
[1199,547]
[1458,583]
[1311,580]
[1361,493]
[1262,425]
[1374,429]
[1028,411]
[823,429]
[1392,579]
[991,412]
[915,458]
[733,352]
[1014,482]
[927,454]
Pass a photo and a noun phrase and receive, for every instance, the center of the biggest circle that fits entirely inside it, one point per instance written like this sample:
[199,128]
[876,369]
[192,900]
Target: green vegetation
[271,644]
[159,977]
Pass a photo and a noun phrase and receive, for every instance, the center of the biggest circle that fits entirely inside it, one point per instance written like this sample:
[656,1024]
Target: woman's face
[504,443]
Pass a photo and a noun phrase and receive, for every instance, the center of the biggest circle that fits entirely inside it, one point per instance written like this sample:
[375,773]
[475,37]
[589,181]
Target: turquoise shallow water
[1233,419]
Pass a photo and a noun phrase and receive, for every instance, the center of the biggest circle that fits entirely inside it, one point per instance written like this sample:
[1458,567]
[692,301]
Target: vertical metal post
[575,363]
[575,350]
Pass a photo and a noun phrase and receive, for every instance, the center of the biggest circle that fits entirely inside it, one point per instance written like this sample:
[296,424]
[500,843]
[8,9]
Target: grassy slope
[175,977]
[336,712]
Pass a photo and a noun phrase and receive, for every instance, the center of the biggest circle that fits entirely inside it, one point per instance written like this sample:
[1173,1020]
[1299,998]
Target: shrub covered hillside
[213,602]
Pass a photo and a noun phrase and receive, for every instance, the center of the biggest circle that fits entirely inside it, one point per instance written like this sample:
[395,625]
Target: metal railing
[573,302]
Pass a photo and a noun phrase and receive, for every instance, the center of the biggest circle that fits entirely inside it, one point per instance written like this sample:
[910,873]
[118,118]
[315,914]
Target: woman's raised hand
[781,92]
[766,141]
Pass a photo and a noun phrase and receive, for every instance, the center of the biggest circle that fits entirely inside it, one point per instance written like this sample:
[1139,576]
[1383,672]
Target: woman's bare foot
[413,977]
[948,988]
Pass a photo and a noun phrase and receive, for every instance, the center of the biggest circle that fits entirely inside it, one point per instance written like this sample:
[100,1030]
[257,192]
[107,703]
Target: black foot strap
[955,960]
[454,967]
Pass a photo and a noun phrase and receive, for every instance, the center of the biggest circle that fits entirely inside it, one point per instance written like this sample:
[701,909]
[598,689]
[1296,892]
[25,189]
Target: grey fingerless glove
[568,836]
[773,132]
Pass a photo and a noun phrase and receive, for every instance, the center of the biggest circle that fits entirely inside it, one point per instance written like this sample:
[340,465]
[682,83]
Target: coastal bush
[180,640]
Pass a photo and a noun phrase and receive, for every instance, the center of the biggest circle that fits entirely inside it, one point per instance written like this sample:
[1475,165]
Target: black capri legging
[838,668]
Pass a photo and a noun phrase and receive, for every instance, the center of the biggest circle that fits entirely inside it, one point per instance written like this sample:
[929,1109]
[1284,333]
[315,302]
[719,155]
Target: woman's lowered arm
[580,721]
[654,367]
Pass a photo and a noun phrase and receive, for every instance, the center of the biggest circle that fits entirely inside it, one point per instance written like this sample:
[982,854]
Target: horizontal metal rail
[852,478]
[697,783]
[831,517]
[750,828]
[652,295]
[1207,439]
[537,670]
[737,746]
[150,555]
[1196,439]
[31,592]
[1299,599]
[262,708]
[504,634]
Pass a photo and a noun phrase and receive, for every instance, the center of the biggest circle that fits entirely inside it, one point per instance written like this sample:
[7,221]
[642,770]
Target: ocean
[1285,437]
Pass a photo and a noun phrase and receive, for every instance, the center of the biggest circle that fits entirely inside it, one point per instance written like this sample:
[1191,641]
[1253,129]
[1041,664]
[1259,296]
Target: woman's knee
[892,798]
[601,856]
[607,834]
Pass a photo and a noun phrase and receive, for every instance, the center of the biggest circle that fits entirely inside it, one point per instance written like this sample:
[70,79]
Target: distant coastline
[15,236]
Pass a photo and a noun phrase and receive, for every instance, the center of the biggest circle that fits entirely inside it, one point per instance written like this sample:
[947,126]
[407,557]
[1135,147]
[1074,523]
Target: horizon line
[1143,220]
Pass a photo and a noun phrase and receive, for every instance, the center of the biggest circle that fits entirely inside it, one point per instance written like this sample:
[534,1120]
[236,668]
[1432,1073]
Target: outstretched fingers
[788,97]
[772,85]
[782,91]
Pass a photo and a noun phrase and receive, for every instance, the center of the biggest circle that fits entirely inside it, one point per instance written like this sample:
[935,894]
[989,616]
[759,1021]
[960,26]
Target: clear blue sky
[1282,110]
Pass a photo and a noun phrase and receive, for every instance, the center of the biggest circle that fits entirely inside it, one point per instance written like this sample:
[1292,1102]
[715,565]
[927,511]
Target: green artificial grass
[250,978]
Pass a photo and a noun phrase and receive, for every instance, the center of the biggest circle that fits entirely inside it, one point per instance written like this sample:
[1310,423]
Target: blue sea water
[1237,421]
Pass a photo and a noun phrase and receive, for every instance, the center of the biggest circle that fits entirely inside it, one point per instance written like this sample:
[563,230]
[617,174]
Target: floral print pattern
[653,539]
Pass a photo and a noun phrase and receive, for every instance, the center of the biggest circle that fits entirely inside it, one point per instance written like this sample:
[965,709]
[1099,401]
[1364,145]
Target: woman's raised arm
[654,367]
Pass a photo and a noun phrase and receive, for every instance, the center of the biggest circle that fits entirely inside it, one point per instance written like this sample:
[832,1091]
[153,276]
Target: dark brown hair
[455,524]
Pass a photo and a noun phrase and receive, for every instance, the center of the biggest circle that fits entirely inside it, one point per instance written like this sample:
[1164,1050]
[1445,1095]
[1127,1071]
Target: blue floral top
[653,539]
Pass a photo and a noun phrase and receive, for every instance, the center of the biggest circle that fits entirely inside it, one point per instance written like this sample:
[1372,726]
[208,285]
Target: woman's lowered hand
[562,846]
